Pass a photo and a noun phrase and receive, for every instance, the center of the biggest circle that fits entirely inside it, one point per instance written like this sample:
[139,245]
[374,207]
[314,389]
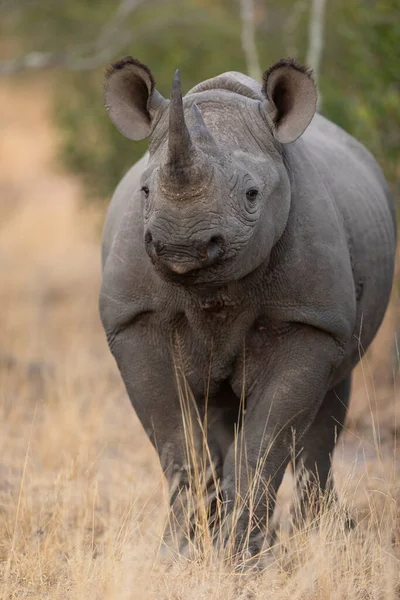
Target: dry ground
[81,497]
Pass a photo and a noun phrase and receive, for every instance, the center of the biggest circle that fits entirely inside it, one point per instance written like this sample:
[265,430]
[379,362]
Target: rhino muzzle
[182,258]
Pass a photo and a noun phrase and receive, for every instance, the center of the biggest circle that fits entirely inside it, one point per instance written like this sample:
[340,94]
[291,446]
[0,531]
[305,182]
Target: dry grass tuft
[82,504]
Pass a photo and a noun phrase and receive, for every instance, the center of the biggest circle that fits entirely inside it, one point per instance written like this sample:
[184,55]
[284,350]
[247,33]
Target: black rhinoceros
[249,256]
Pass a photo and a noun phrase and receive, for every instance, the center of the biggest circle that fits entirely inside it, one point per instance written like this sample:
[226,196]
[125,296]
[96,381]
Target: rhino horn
[199,130]
[180,147]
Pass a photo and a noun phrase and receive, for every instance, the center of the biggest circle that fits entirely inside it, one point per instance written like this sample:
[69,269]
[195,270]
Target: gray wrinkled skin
[277,295]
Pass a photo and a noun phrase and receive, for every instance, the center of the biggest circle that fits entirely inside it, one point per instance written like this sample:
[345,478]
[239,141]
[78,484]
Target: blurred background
[353,46]
[68,435]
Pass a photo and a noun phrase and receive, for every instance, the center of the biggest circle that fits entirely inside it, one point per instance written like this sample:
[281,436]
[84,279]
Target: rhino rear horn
[199,130]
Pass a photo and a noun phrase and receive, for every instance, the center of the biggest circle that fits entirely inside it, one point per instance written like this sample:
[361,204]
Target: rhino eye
[145,191]
[251,194]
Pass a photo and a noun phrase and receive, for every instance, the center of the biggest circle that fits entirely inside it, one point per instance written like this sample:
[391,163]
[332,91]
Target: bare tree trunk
[249,39]
[316,40]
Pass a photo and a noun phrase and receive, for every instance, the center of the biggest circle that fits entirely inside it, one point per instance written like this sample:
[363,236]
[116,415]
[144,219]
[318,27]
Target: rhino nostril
[153,246]
[216,247]
[159,247]
[218,240]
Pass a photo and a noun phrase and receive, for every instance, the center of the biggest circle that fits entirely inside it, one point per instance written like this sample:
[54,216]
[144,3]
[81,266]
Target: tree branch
[111,40]
[9,5]
[248,37]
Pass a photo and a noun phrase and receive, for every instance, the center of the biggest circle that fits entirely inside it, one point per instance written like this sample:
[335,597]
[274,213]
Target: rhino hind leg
[314,480]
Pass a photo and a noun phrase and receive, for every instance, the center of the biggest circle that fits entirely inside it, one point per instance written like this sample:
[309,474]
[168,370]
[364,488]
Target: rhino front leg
[170,417]
[287,387]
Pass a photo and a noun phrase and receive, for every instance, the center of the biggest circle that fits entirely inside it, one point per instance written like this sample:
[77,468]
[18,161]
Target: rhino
[248,257]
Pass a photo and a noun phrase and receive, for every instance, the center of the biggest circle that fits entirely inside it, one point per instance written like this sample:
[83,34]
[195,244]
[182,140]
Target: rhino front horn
[179,143]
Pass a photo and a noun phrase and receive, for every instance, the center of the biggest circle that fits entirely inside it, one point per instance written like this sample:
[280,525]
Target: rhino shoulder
[120,203]
[128,286]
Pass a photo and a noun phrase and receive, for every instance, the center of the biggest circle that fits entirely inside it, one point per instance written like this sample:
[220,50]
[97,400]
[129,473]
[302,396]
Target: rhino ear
[130,97]
[292,99]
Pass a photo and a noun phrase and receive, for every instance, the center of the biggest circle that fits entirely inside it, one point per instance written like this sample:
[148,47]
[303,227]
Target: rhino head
[216,191]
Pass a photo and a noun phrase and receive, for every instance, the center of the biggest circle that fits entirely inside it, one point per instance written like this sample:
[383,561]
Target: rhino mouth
[187,274]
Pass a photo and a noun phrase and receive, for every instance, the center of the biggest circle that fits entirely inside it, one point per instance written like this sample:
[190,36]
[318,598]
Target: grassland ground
[82,502]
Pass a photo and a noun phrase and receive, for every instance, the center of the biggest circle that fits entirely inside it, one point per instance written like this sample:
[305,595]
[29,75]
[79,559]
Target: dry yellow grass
[81,493]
